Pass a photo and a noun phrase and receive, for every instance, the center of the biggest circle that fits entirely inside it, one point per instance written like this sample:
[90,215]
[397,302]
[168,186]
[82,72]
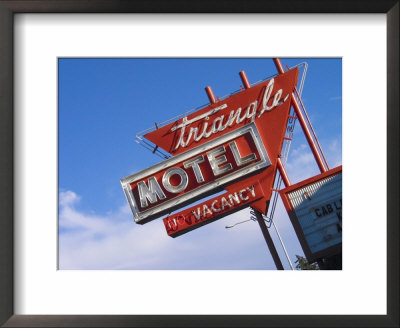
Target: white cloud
[114,241]
[68,198]
[335,153]
[301,164]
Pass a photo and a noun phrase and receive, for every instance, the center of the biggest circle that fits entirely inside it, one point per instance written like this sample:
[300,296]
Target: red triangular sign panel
[267,105]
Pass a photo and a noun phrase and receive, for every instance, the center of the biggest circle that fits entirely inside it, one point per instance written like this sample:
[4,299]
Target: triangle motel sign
[232,145]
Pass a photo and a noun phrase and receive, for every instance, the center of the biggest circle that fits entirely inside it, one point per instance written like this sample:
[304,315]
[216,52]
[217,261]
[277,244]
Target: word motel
[199,172]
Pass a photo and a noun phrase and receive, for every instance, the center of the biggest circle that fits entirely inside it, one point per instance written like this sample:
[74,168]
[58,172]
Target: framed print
[37,35]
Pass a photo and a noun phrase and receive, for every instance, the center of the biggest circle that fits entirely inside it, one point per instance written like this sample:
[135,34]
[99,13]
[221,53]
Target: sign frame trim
[148,215]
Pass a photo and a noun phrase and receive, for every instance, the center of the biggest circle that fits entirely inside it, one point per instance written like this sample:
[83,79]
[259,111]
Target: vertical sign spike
[210,95]
[244,79]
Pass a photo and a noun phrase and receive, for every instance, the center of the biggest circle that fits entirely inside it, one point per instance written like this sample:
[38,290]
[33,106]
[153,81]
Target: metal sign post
[268,240]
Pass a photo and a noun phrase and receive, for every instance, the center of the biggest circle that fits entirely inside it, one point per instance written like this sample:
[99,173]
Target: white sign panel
[318,207]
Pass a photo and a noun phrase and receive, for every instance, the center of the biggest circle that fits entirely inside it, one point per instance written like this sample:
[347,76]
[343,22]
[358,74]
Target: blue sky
[103,103]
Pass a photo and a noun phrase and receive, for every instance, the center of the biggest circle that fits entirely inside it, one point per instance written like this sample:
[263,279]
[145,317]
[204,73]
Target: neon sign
[231,145]
[212,209]
[193,174]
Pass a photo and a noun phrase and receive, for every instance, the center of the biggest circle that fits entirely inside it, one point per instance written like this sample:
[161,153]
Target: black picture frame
[10,7]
